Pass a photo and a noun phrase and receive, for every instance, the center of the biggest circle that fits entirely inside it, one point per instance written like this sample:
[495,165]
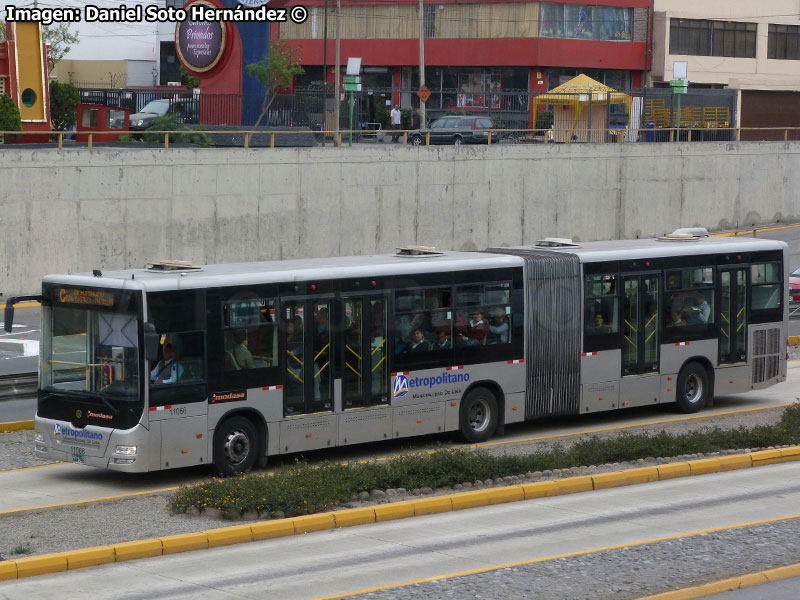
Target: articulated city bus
[176,365]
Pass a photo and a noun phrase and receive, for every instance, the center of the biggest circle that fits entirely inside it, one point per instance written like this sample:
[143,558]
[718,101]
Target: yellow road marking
[567,555]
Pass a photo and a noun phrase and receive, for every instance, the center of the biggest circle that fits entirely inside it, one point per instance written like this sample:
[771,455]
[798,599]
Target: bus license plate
[78,455]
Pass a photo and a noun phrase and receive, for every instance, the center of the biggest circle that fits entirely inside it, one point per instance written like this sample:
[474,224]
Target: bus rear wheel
[478,415]
[235,446]
[694,388]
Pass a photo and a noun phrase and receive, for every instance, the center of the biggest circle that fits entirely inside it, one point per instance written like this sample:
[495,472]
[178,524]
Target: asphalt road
[470,553]
[65,482]
[19,350]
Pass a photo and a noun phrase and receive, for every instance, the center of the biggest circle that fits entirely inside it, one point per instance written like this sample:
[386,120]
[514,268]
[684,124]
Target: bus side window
[689,301]
[250,335]
[601,306]
[765,281]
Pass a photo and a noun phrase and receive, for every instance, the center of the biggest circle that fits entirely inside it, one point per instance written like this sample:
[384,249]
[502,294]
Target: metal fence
[650,108]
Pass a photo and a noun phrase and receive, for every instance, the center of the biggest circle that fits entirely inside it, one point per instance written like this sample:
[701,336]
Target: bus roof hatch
[418,251]
[172,265]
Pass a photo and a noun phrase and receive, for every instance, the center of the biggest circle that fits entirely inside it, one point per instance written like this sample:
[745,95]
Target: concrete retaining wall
[81,209]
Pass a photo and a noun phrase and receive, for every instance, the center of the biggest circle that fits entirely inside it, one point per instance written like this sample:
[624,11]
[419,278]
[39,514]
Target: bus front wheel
[694,388]
[478,415]
[235,446]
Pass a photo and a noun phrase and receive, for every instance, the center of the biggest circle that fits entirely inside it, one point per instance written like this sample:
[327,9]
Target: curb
[261,530]
[794,340]
[728,585]
[16,426]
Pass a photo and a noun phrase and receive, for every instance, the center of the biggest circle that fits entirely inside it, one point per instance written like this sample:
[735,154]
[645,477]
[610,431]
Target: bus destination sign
[91,297]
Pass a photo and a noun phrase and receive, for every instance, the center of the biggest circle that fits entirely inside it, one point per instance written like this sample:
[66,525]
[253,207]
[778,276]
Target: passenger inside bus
[676,319]
[442,340]
[599,327]
[477,332]
[700,311]
[242,357]
[418,342]
[498,326]
[167,370]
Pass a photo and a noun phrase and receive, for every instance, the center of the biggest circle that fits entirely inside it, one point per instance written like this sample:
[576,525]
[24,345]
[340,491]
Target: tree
[58,37]
[275,72]
[9,116]
[64,98]
[188,79]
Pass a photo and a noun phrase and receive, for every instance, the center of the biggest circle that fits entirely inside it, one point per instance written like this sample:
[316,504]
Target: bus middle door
[640,384]
[366,414]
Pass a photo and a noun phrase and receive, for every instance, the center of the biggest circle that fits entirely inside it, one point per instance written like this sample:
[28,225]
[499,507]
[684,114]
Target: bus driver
[167,370]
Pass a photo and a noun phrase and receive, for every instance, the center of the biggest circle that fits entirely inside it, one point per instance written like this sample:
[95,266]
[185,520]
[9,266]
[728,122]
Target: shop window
[89,117]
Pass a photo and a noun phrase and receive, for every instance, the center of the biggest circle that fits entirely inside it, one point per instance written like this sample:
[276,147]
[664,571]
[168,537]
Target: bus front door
[640,382]
[732,315]
[364,370]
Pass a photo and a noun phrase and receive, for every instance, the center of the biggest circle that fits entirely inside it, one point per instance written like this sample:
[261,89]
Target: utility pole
[338,65]
[422,121]
[325,51]
[325,71]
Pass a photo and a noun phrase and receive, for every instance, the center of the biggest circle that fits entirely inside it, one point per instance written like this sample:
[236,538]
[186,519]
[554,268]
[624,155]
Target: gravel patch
[16,451]
[625,573]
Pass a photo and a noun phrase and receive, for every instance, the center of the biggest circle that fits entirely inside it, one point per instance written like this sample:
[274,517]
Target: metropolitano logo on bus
[77,435]
[426,386]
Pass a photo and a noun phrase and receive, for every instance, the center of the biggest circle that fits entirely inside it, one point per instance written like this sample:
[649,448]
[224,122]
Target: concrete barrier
[80,209]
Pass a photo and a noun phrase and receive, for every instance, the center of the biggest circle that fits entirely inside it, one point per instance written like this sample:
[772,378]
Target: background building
[753,49]
[112,74]
[477,54]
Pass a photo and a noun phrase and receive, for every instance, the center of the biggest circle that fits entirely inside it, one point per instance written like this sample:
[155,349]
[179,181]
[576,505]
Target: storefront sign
[201,44]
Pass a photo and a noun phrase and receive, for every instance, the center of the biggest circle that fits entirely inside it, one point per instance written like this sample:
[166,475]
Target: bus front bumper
[113,449]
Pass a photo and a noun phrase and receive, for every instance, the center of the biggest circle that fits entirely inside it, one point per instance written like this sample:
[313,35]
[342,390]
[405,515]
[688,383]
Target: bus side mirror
[151,339]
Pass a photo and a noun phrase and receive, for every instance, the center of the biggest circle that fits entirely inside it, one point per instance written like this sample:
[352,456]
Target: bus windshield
[92,354]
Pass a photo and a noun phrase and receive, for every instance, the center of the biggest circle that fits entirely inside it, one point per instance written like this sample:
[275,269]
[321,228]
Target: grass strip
[302,489]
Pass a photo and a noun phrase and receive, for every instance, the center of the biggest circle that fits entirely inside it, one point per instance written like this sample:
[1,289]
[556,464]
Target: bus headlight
[125,450]
[39,438]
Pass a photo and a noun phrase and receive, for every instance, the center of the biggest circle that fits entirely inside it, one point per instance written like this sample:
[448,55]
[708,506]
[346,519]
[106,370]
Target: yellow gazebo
[572,122]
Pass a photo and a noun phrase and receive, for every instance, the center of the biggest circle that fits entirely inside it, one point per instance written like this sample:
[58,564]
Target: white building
[751,47]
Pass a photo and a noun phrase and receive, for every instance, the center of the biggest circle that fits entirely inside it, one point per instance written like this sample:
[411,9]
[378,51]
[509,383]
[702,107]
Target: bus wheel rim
[478,415]
[237,447]
[693,388]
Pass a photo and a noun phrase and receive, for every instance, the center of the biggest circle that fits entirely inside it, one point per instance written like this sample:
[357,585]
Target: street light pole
[338,65]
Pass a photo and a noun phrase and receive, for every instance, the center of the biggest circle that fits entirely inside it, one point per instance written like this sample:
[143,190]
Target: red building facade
[478,53]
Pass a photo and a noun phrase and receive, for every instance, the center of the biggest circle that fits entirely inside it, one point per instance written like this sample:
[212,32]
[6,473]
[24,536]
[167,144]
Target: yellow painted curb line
[727,585]
[29,304]
[737,232]
[794,340]
[86,557]
[16,426]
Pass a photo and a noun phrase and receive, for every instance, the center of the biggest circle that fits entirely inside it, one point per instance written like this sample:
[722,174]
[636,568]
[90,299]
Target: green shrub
[300,488]
[9,117]
[544,119]
[170,123]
